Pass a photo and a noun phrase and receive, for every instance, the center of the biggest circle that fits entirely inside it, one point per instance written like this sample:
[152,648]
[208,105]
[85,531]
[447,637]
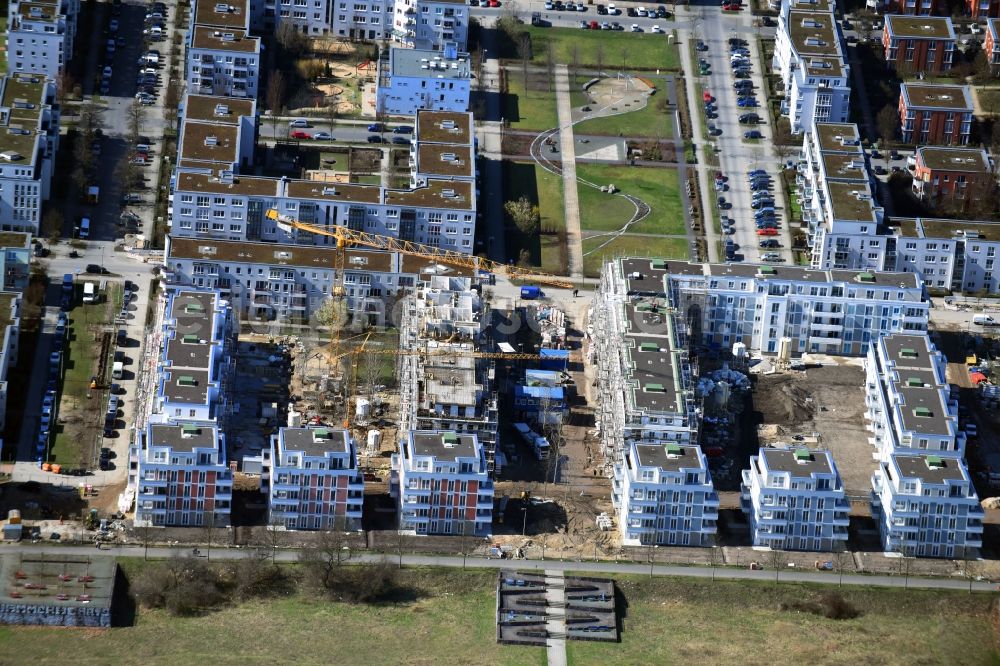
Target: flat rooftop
[648,316]
[312,189]
[236,186]
[939,228]
[681,457]
[433,443]
[438,159]
[795,462]
[814,33]
[917,467]
[192,390]
[824,66]
[274,254]
[936,96]
[428,63]
[450,379]
[851,200]
[315,441]
[919,27]
[14,239]
[235,40]
[38,11]
[438,193]
[908,351]
[655,376]
[229,14]
[969,160]
[184,438]
[24,96]
[444,127]
[217,109]
[923,409]
[832,136]
[845,166]
[7,299]
[210,142]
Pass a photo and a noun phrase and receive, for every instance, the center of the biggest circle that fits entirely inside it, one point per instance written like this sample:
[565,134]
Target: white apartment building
[438,209]
[314,482]
[663,495]
[414,79]
[442,485]
[910,408]
[223,61]
[431,24]
[217,134]
[926,506]
[809,56]
[197,360]
[795,500]
[183,478]
[40,36]
[448,388]
[268,281]
[831,312]
[10,324]
[29,137]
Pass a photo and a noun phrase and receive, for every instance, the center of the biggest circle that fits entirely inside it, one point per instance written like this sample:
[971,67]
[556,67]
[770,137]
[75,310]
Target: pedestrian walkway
[571,201]
[555,617]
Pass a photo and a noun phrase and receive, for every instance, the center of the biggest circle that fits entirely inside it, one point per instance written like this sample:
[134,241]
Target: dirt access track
[826,401]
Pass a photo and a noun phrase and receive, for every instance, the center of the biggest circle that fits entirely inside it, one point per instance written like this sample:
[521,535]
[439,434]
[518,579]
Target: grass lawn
[534,110]
[647,122]
[548,249]
[658,187]
[3,43]
[609,48]
[640,246]
[989,100]
[695,621]
[448,618]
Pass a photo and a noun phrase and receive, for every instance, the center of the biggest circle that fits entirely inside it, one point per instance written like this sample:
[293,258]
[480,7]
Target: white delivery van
[89,292]
[984,320]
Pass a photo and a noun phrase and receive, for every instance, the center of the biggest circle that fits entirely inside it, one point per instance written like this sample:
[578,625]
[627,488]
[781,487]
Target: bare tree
[550,62]
[332,114]
[524,53]
[970,570]
[126,173]
[574,55]
[888,125]
[272,537]
[171,100]
[208,528]
[777,559]
[136,115]
[146,534]
[275,95]
[840,561]
[714,558]
[326,555]
[599,57]
[905,567]
[52,223]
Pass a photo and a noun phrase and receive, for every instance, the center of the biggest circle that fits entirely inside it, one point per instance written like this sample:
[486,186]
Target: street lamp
[524,520]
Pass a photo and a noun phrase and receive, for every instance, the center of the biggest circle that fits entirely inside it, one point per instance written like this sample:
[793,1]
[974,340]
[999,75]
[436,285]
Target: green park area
[632,246]
[533,108]
[658,187]
[547,249]
[608,49]
[651,121]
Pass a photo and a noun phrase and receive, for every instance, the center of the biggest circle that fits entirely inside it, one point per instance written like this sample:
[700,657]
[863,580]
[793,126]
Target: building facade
[982,9]
[223,61]
[40,36]
[908,7]
[952,176]
[909,404]
[926,506]
[430,24]
[809,56]
[314,482]
[795,500]
[10,324]
[663,495]
[441,484]
[918,44]
[414,79]
[935,114]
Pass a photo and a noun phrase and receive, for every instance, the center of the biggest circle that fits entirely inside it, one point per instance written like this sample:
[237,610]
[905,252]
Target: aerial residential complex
[414,79]
[809,56]
[919,43]
[795,500]
[40,36]
[936,114]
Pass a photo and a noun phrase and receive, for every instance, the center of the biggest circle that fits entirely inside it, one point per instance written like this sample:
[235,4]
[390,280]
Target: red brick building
[944,174]
[918,43]
[935,114]
[909,7]
[979,9]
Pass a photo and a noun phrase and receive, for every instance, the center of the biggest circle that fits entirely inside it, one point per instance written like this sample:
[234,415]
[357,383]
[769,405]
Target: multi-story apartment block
[29,138]
[369,20]
[908,7]
[795,500]
[312,17]
[809,56]
[438,209]
[832,312]
[314,482]
[909,404]
[10,324]
[223,61]
[448,388]
[935,114]
[15,260]
[217,134]
[441,484]
[991,42]
[926,506]
[229,15]
[918,43]
[40,36]
[268,281]
[197,360]
[980,9]
[959,255]
[414,79]
[431,24]
[182,478]
[952,176]
[663,495]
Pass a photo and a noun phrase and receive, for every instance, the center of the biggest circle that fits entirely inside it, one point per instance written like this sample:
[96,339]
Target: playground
[333,77]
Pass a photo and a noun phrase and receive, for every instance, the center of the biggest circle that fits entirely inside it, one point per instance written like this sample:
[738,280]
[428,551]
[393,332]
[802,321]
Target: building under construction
[445,386]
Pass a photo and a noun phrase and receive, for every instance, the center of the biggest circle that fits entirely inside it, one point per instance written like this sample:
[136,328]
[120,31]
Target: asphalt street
[478,562]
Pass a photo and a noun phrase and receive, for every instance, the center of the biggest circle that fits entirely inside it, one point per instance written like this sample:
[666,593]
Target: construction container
[14,517]
[362,409]
[374,439]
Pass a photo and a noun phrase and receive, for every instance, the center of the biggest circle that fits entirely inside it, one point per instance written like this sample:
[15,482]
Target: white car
[657,28]
[299,122]
[641,11]
[636,28]
[613,11]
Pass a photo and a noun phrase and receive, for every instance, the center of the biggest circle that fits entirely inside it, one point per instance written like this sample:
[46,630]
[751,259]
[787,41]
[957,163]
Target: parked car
[753,134]
[374,138]
[402,129]
[323,136]
[300,122]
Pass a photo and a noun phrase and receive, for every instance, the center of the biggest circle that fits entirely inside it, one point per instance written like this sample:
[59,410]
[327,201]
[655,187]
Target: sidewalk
[571,200]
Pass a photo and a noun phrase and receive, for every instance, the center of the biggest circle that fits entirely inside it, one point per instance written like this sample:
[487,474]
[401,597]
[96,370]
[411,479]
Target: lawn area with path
[544,189]
[535,110]
[645,50]
[660,247]
[658,187]
[646,122]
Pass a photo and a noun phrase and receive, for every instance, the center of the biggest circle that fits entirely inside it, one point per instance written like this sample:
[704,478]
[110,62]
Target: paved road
[478,562]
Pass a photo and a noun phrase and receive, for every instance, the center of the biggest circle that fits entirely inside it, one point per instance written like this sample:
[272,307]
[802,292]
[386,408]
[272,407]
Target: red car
[719,177]
[731,7]
[299,134]
[767,232]
[707,96]
[494,3]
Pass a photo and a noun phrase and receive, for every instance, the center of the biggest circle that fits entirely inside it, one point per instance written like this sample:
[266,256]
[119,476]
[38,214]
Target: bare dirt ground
[826,406]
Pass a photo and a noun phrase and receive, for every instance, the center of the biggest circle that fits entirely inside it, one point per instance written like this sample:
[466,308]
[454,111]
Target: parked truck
[66,299]
[539,445]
